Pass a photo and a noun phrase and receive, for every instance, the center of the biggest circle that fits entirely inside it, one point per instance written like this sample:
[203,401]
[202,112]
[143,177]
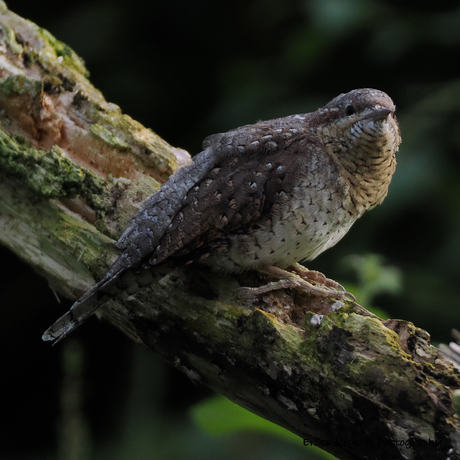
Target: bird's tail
[81,310]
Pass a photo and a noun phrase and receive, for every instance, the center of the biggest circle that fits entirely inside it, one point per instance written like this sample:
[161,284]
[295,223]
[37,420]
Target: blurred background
[190,68]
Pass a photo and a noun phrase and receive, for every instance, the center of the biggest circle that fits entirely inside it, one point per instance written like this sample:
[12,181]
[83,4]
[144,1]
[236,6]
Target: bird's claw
[301,278]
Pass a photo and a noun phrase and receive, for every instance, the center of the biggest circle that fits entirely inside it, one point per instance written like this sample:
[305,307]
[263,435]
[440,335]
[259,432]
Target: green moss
[46,173]
[19,84]
[21,140]
[107,136]
[10,38]
[333,345]
[60,49]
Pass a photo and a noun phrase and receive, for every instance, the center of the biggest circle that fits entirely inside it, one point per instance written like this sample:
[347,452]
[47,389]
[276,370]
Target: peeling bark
[74,169]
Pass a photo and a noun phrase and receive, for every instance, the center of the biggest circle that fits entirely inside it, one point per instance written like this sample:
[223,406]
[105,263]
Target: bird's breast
[298,228]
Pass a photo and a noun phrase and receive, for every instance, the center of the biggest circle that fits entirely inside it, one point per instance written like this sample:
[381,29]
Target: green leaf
[219,416]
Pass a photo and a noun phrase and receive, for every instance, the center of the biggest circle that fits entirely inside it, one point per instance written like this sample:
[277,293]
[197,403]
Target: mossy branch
[74,169]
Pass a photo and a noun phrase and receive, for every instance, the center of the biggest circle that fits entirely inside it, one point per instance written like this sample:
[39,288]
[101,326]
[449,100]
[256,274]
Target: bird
[263,197]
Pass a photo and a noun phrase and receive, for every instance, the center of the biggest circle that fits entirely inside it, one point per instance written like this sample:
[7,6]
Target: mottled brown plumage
[264,197]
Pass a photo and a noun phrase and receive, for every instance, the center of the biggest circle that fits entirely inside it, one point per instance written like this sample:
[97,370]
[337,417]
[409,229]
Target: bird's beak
[379,114]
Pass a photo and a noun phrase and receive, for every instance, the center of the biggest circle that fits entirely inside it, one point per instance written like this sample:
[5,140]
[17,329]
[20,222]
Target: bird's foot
[319,278]
[309,281]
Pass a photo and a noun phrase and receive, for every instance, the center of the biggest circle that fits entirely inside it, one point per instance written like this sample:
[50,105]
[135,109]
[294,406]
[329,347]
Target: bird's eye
[350,110]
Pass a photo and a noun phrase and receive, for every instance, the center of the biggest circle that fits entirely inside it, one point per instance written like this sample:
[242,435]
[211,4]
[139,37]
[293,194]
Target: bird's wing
[225,186]
[234,193]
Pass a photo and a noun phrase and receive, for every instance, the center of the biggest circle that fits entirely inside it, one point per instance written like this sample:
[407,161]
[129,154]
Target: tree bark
[74,169]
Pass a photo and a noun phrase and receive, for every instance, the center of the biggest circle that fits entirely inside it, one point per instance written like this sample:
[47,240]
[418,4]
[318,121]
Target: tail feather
[81,310]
